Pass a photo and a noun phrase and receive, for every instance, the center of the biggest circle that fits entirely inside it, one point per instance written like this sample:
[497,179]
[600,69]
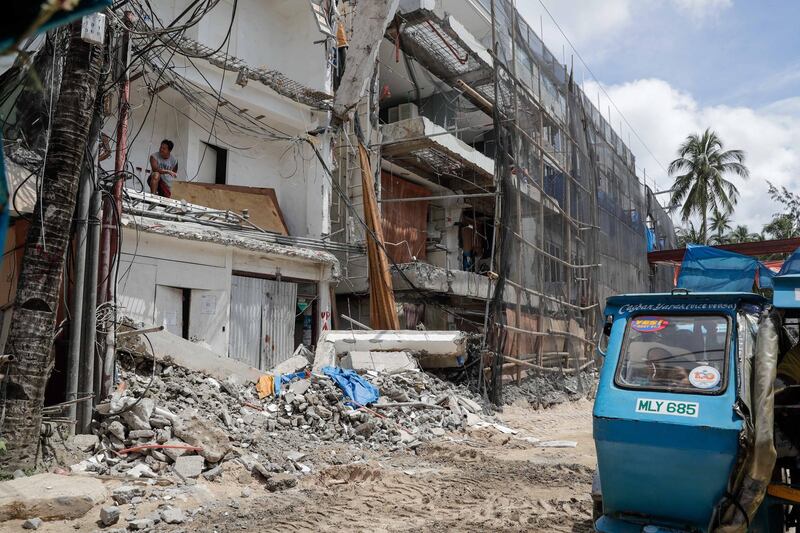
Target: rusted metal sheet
[405,224]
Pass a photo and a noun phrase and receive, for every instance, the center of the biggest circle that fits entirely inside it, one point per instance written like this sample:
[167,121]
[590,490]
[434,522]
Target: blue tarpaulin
[355,388]
[710,269]
[792,264]
[651,239]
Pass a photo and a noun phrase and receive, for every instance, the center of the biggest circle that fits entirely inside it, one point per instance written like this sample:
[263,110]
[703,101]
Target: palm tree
[739,234]
[700,185]
[781,227]
[33,323]
[687,235]
[720,224]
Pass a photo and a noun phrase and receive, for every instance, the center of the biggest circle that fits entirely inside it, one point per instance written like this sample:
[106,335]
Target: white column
[324,318]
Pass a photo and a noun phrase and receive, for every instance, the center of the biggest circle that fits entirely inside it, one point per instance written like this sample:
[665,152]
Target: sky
[675,67]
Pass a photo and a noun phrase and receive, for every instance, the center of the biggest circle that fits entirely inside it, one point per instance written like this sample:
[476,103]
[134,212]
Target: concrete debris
[556,444]
[126,493]
[197,431]
[65,497]
[109,515]
[189,466]
[378,361]
[291,365]
[172,515]
[32,523]
[546,391]
[141,524]
[84,443]
[187,425]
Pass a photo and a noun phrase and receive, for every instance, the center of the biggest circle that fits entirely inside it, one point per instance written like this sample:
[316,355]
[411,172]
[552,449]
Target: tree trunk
[30,337]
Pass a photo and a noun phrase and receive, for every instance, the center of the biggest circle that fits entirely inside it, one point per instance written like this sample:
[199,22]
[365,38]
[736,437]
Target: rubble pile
[549,390]
[165,420]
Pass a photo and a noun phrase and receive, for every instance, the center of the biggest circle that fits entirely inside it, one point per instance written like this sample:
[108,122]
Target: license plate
[667,407]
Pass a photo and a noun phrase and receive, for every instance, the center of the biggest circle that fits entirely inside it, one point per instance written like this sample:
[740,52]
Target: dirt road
[484,481]
[481,480]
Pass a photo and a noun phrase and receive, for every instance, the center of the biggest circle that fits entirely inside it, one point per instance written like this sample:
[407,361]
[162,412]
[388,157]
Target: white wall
[151,261]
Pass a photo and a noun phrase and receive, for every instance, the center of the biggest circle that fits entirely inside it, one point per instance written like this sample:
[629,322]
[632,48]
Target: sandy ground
[482,481]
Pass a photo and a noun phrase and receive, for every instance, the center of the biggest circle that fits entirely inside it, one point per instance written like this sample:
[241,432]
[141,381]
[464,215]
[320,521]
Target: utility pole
[33,324]
[112,209]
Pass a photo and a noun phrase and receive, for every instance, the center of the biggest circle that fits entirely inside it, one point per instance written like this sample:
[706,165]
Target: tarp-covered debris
[355,388]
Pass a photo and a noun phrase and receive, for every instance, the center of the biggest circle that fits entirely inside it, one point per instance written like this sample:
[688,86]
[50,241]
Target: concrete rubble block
[138,414]
[84,443]
[196,431]
[126,493]
[295,456]
[278,482]
[291,365]
[116,429]
[50,497]
[189,466]
[141,470]
[378,361]
[32,523]
[214,473]
[172,515]
[470,405]
[141,524]
[109,515]
[141,434]
[300,386]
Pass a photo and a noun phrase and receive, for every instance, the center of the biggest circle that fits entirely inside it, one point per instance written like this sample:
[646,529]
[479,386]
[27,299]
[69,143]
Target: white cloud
[594,26]
[663,116]
[700,10]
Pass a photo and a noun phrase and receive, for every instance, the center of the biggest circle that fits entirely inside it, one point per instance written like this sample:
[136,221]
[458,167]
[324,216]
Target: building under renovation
[508,204]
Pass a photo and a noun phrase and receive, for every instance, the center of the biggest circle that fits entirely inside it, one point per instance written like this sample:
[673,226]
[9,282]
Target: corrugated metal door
[280,300]
[245,323]
[262,321]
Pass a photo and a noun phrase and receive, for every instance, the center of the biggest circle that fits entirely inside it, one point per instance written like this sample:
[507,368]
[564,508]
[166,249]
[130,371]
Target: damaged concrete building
[505,194]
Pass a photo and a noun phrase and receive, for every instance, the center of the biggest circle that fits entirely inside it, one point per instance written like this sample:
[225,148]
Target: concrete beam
[335,343]
[370,22]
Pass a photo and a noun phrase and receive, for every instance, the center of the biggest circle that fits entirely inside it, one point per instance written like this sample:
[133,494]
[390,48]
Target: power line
[600,85]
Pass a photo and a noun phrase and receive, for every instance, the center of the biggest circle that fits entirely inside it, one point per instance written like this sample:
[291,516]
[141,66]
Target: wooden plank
[382,308]
[261,203]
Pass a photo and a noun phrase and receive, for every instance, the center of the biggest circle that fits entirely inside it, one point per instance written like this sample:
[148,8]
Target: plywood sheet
[405,224]
[261,203]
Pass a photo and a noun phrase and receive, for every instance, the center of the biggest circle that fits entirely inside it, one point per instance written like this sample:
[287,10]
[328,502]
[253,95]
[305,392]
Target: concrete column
[324,317]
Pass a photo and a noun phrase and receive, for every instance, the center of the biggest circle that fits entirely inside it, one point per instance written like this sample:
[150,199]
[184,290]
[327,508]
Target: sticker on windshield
[704,377]
[648,324]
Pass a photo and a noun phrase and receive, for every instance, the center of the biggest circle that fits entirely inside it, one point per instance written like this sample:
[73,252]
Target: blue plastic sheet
[355,388]
[709,269]
[792,264]
[651,239]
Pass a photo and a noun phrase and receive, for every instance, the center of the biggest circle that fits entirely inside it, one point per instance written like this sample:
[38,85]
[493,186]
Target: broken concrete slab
[172,515]
[196,431]
[300,386]
[49,497]
[378,361]
[333,343]
[138,413]
[291,365]
[126,493]
[189,466]
[170,349]
[84,443]
[556,444]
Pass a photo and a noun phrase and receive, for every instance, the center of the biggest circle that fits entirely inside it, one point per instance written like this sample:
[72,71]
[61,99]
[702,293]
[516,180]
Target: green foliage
[700,186]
